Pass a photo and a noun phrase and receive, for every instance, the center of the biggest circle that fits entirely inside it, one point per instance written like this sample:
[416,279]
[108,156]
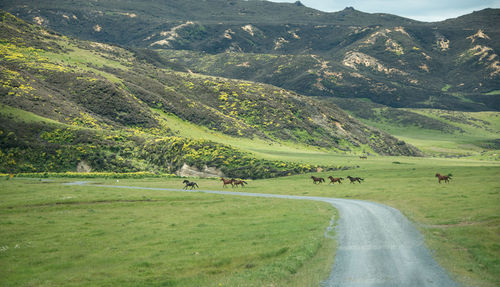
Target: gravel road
[377,245]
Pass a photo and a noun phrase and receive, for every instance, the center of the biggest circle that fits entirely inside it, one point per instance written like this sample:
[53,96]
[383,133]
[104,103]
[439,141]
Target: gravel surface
[377,245]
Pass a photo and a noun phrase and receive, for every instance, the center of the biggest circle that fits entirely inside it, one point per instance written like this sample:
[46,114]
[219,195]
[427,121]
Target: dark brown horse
[191,184]
[226,182]
[354,179]
[237,182]
[446,178]
[335,179]
[317,179]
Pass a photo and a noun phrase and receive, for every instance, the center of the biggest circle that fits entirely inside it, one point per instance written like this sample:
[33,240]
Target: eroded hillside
[391,60]
[77,85]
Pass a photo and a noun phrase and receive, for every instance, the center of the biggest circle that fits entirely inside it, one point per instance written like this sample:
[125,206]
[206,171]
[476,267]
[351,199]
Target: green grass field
[84,235]
[57,235]
[478,139]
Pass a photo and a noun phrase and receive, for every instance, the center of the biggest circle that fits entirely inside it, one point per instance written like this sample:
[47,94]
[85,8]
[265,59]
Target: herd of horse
[316,180]
[233,182]
[225,181]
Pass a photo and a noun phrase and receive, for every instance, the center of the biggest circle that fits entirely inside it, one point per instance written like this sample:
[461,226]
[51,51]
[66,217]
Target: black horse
[354,179]
[191,184]
[317,179]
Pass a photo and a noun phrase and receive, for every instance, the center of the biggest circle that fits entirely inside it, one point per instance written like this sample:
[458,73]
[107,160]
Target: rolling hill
[397,62]
[65,101]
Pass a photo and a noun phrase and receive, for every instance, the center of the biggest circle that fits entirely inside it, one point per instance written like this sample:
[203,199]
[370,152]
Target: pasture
[477,136]
[81,235]
[61,235]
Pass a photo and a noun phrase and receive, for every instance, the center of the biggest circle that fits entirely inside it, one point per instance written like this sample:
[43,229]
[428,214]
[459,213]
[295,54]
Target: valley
[145,95]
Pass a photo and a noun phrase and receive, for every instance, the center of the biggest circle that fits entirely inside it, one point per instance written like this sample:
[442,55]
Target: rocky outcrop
[83,166]
[192,171]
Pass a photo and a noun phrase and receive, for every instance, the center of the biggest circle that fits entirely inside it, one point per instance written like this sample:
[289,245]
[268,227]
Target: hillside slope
[88,87]
[391,60]
[435,132]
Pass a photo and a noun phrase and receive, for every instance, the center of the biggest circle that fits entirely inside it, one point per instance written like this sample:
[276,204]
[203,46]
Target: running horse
[191,184]
[335,179]
[226,182]
[239,182]
[446,178]
[354,179]
[317,179]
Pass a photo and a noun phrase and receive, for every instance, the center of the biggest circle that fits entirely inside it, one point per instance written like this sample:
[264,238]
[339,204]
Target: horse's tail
[361,178]
[450,175]
[244,182]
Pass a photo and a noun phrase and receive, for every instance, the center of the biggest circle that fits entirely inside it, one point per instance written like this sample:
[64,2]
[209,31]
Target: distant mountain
[76,100]
[394,61]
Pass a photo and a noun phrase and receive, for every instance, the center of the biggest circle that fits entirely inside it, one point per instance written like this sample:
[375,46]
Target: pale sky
[422,10]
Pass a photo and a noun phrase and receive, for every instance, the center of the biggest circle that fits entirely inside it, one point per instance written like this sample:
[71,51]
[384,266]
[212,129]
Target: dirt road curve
[378,246]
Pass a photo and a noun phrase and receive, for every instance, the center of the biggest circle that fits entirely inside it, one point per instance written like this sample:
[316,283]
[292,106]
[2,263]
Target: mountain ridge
[398,62]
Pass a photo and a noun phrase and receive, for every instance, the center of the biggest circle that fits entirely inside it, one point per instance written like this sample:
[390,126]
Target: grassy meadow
[476,135]
[85,235]
[63,235]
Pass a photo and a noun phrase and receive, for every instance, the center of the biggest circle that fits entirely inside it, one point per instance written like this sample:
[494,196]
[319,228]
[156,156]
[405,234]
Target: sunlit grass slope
[447,134]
